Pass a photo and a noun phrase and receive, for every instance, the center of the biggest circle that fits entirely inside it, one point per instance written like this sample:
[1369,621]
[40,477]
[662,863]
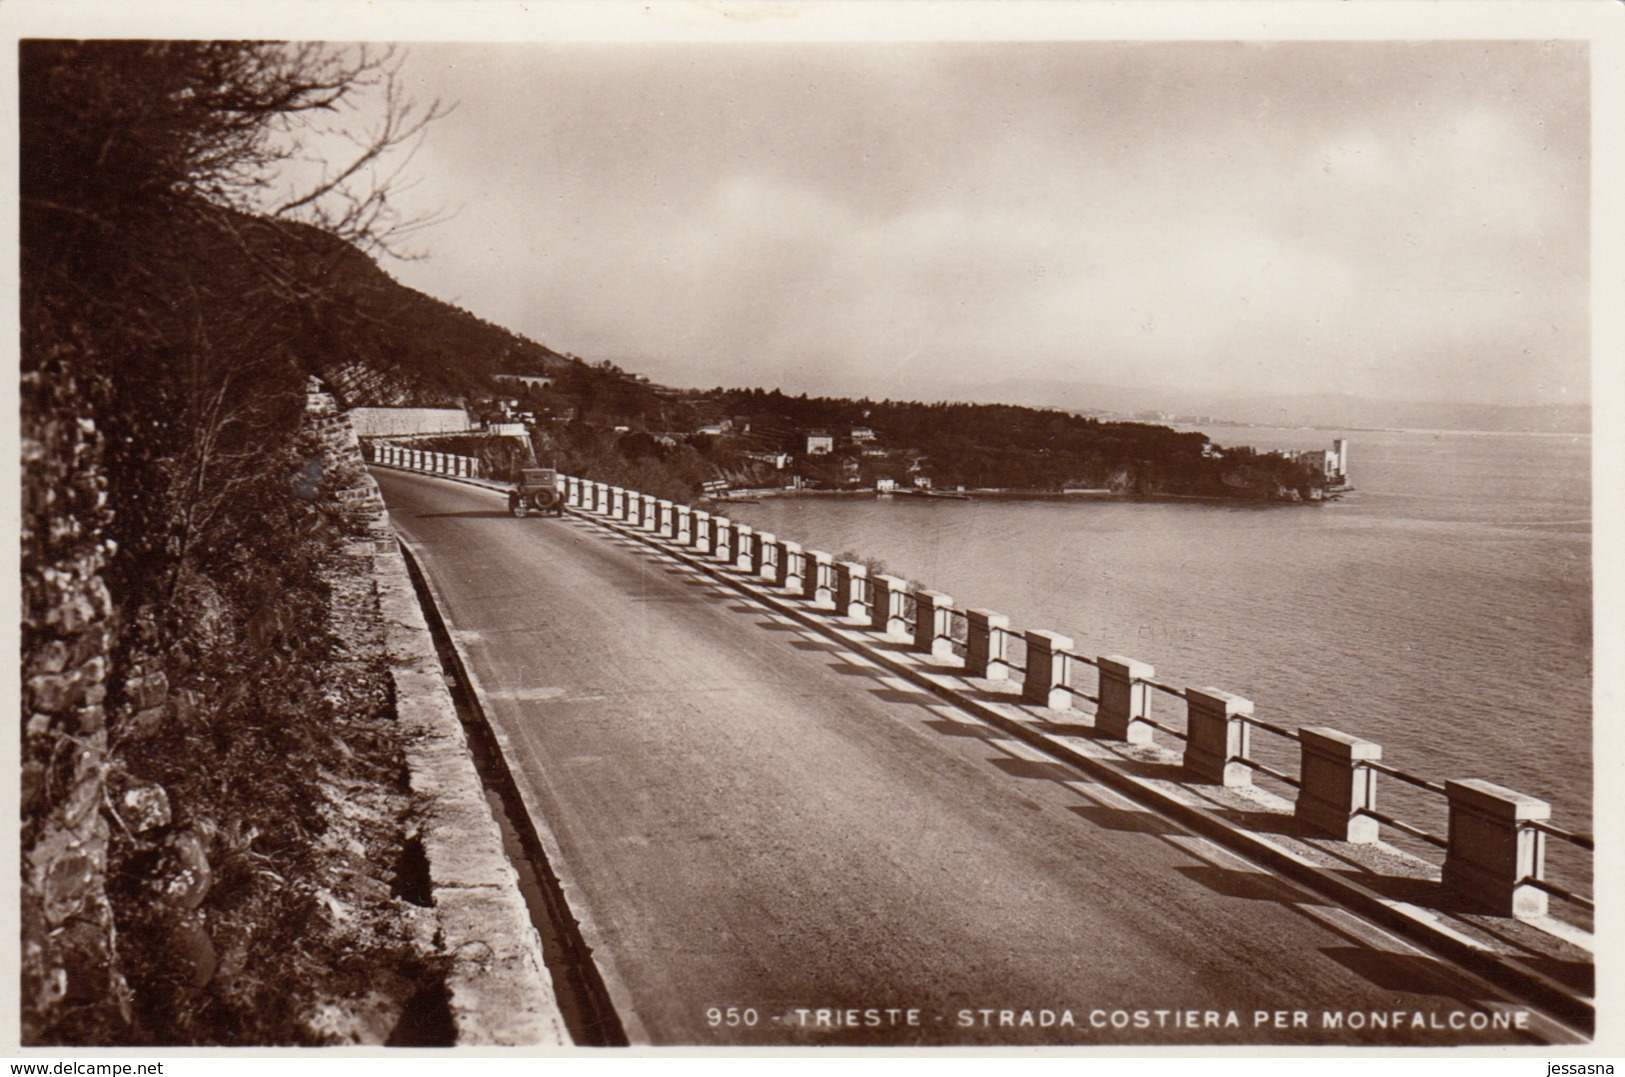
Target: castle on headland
[1332,462]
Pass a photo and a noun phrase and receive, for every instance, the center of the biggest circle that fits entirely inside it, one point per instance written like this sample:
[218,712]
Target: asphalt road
[755,826]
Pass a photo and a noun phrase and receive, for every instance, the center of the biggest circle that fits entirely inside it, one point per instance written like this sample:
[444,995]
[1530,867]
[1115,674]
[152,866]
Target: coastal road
[771,841]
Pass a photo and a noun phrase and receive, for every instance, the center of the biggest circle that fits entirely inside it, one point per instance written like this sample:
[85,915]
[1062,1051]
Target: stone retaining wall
[67,959]
[500,990]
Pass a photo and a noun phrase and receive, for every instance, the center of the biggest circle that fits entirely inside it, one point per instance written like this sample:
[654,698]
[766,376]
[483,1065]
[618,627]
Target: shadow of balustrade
[1247,885]
[1127,820]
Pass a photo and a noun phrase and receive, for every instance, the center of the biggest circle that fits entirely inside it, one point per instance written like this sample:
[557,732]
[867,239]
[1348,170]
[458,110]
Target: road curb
[499,989]
[535,821]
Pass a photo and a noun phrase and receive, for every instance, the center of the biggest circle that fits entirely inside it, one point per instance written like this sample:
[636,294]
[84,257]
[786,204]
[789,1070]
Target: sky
[916,220]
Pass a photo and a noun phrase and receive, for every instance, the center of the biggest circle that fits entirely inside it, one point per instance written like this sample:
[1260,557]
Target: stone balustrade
[436,463]
[1494,852]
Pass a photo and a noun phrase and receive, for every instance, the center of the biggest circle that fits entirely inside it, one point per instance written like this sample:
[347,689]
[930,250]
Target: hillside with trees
[1008,447]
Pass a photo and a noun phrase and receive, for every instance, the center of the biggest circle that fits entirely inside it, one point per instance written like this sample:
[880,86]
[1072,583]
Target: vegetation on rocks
[252,792]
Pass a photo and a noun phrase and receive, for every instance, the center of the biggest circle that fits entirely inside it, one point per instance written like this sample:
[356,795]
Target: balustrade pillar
[1492,854]
[745,545]
[1125,700]
[1049,671]
[763,543]
[933,624]
[790,567]
[705,535]
[886,597]
[723,546]
[1334,789]
[987,645]
[815,566]
[1217,736]
[850,580]
[685,525]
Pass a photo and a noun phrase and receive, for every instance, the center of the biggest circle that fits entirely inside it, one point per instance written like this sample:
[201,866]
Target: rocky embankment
[327,879]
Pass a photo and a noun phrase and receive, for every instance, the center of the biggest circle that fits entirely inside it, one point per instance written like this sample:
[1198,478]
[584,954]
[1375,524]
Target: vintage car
[538,489]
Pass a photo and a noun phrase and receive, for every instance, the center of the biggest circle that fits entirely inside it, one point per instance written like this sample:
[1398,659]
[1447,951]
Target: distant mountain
[1337,410]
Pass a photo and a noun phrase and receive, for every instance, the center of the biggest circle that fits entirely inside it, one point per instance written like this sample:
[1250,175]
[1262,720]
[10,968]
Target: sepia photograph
[822,528]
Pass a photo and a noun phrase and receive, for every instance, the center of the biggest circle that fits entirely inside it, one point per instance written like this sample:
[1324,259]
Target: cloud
[1378,217]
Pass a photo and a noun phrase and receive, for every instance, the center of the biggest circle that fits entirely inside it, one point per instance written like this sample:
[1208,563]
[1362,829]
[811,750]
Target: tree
[177,242]
[113,130]
[174,204]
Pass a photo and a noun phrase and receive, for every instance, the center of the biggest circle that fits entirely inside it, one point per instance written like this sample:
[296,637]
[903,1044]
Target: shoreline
[1005,494]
